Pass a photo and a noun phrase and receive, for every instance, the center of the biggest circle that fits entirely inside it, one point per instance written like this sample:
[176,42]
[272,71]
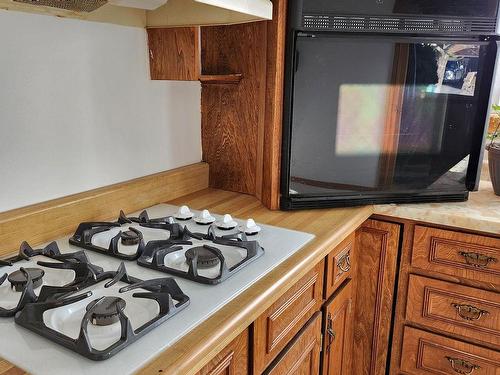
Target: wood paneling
[241,125]
[302,355]
[274,329]
[339,265]
[233,115]
[338,333]
[276,31]
[233,360]
[457,254]
[49,220]
[454,309]
[377,245]
[174,53]
[427,353]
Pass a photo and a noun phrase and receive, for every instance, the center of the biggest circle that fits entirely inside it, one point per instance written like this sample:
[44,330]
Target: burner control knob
[226,223]
[204,218]
[184,213]
[250,228]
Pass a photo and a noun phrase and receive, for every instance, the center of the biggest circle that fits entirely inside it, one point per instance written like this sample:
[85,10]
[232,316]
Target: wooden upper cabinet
[233,360]
[174,53]
[302,355]
[337,332]
[274,329]
[377,247]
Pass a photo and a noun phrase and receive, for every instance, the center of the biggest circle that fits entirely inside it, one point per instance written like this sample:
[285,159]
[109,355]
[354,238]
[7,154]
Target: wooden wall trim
[275,80]
[48,220]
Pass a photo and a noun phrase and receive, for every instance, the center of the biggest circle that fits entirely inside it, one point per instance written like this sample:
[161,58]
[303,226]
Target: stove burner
[130,238]
[206,258]
[106,311]
[18,279]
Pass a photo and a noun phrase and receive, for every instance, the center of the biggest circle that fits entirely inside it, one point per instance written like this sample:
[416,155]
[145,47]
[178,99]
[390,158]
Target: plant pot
[494,166]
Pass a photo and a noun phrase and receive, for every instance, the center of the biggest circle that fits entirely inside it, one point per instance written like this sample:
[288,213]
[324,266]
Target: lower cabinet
[278,325]
[302,354]
[338,314]
[232,360]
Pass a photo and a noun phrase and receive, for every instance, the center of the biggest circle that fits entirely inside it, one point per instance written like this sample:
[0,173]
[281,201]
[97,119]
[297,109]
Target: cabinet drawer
[302,354]
[339,264]
[458,254]
[274,329]
[428,353]
[453,308]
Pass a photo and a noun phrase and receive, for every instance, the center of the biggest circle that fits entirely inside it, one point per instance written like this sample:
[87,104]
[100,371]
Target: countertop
[480,213]
[330,226]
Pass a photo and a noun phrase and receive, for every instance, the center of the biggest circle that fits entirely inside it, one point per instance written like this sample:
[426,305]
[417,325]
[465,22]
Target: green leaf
[496,107]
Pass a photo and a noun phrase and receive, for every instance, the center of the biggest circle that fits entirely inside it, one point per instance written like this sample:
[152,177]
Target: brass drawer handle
[344,263]
[477,260]
[330,332]
[462,366]
[469,312]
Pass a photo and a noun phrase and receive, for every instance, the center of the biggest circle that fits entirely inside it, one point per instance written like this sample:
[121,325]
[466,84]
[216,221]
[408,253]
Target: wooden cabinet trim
[224,364]
[377,244]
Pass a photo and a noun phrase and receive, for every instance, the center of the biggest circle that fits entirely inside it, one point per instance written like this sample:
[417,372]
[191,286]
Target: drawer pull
[477,260]
[462,366]
[330,332]
[344,263]
[469,312]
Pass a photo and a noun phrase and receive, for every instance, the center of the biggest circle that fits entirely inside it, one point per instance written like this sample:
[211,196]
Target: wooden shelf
[221,79]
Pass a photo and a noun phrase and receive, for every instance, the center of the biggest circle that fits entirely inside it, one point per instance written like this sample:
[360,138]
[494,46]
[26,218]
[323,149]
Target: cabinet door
[233,360]
[377,246]
[337,332]
[302,354]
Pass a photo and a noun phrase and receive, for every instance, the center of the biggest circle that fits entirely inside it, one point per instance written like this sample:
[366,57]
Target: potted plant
[493,149]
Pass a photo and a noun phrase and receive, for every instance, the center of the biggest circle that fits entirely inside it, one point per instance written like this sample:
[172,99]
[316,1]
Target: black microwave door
[383,116]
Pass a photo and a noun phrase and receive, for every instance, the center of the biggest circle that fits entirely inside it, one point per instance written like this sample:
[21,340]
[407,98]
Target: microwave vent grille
[72,5]
[360,23]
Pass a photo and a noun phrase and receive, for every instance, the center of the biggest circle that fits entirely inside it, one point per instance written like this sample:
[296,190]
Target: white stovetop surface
[40,356]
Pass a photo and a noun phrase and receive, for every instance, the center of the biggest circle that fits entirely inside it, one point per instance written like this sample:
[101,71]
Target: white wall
[78,110]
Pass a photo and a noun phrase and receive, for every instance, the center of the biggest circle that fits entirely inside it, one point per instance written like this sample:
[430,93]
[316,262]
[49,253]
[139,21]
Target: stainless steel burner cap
[18,279]
[106,311]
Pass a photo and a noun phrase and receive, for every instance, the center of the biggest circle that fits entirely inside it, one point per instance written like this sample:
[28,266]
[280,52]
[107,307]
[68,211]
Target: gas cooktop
[142,281]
